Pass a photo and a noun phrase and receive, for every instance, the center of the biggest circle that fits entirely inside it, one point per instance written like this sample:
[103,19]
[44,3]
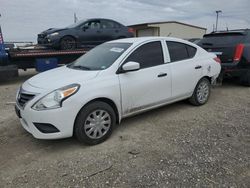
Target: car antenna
[169,34]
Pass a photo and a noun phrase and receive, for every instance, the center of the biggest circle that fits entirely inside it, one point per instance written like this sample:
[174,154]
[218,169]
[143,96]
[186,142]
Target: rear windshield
[221,39]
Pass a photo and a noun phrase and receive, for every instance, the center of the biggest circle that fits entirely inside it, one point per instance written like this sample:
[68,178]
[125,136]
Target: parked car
[233,48]
[115,80]
[194,40]
[89,32]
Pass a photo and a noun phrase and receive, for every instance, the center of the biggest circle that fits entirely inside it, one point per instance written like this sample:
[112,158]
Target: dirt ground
[175,146]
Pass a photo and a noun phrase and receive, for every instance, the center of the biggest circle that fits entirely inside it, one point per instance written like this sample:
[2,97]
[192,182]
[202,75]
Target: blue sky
[24,19]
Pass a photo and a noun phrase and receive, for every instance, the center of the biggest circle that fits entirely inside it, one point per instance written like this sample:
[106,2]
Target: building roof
[166,22]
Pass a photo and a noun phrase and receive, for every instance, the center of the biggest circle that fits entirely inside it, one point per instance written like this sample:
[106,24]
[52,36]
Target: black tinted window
[108,24]
[117,25]
[191,51]
[177,51]
[148,55]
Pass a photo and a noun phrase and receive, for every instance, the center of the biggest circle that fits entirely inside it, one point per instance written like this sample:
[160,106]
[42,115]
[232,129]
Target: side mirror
[130,66]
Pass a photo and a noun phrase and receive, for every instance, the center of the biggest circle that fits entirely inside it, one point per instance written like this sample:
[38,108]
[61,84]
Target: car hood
[53,30]
[60,77]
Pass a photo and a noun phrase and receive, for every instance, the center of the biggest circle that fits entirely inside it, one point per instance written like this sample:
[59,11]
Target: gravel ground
[174,146]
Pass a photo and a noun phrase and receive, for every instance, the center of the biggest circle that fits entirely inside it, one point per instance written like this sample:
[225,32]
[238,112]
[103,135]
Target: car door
[149,86]
[185,68]
[90,33]
[109,30]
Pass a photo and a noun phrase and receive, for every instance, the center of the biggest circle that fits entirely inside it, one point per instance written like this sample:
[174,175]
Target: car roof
[236,31]
[137,40]
[91,19]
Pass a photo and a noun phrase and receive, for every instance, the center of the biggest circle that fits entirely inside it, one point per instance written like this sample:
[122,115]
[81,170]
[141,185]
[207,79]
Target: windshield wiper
[80,67]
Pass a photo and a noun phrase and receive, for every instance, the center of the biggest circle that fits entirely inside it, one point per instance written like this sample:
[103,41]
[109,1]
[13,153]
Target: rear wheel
[201,92]
[68,43]
[94,123]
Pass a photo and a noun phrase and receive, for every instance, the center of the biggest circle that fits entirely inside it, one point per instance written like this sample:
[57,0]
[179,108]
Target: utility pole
[217,17]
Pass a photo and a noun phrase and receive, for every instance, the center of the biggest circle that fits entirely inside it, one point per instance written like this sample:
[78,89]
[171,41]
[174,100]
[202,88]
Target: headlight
[55,98]
[54,34]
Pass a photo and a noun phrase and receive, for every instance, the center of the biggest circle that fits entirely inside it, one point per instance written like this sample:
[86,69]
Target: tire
[201,93]
[67,43]
[91,133]
[245,79]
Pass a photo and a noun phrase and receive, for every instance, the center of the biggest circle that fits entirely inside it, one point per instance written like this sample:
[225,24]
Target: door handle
[162,75]
[198,67]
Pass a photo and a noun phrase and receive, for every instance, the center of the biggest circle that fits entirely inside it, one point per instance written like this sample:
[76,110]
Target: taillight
[131,30]
[238,52]
[217,60]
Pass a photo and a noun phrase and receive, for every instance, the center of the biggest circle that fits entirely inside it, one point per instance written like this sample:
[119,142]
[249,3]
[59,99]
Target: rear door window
[107,24]
[179,51]
[148,55]
[191,51]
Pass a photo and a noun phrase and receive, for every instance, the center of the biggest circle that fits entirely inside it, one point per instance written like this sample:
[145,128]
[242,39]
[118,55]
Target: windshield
[76,24]
[101,57]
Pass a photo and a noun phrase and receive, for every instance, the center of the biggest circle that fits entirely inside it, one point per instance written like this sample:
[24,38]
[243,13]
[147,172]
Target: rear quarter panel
[210,67]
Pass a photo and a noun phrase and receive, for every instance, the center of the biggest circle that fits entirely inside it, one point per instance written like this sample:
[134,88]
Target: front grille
[41,35]
[23,98]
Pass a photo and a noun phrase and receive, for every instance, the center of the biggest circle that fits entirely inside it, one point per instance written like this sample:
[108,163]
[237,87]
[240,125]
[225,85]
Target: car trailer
[37,57]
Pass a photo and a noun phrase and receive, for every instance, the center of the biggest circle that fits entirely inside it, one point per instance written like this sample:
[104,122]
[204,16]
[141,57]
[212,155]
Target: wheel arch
[75,38]
[207,77]
[106,100]
[68,36]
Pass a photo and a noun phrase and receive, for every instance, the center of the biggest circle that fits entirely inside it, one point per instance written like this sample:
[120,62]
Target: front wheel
[68,43]
[94,123]
[201,93]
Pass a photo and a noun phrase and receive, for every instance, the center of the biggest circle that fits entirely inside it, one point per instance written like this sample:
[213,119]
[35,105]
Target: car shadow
[57,145]
[167,109]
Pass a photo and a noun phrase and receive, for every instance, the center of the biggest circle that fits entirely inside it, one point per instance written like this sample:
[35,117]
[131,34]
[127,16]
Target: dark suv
[89,32]
[233,49]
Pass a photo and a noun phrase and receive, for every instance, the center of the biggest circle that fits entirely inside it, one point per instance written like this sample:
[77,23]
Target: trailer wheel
[68,43]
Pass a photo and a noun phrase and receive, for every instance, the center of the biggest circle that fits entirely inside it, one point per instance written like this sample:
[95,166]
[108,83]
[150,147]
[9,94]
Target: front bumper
[61,119]
[46,41]
[47,124]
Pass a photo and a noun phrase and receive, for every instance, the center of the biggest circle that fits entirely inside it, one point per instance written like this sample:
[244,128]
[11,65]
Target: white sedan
[117,79]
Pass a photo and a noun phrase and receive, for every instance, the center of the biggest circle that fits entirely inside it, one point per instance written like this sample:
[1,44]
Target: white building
[171,29]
